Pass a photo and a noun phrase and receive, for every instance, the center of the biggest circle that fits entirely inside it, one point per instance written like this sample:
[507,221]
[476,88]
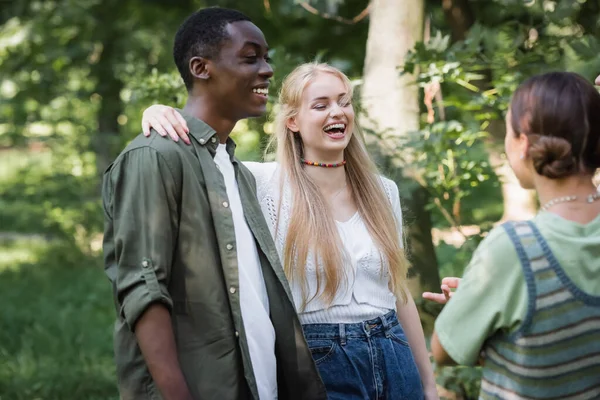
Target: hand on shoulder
[166,121]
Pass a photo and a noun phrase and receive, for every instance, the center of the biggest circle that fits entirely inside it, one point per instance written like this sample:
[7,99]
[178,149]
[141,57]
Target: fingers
[437,297]
[182,128]
[175,127]
[598,80]
[168,126]
[446,291]
[451,282]
[156,125]
[149,120]
[448,284]
[146,128]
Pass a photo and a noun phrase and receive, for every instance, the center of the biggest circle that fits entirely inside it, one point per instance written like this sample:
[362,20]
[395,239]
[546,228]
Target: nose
[265,70]
[336,110]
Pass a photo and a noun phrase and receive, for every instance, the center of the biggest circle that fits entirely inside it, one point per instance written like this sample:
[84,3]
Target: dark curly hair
[560,114]
[202,35]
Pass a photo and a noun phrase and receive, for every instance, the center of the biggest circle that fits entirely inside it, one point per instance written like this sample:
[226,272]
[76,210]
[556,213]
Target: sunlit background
[433,78]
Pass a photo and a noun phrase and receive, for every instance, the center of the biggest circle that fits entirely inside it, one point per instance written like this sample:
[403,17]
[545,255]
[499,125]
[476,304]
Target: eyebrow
[255,45]
[326,98]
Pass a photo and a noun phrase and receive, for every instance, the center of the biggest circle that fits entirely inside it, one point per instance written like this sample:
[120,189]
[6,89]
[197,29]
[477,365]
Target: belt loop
[342,334]
[386,325]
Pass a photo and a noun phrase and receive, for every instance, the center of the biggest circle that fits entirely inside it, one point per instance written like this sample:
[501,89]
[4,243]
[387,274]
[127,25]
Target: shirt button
[202,141]
[213,139]
[232,290]
[225,204]
[229,246]
[237,334]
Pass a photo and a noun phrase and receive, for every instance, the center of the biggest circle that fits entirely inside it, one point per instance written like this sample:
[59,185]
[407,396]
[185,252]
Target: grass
[56,336]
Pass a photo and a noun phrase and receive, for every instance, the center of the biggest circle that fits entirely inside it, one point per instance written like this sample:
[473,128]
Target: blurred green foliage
[76,75]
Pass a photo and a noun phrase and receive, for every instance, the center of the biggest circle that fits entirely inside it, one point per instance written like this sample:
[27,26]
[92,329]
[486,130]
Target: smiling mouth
[335,131]
[261,91]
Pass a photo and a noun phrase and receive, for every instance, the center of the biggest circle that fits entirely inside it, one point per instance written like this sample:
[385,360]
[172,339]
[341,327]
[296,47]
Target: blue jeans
[370,360]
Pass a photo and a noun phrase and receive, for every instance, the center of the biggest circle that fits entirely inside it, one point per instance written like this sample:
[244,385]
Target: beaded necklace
[324,165]
[590,199]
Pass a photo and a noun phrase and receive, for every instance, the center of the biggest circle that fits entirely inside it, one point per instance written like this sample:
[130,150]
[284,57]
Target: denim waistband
[363,329]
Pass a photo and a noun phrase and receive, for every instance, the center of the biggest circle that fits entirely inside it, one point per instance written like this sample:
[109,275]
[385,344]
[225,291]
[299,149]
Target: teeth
[333,126]
[261,91]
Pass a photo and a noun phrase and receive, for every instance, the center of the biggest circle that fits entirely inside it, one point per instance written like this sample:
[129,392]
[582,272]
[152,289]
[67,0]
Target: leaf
[585,48]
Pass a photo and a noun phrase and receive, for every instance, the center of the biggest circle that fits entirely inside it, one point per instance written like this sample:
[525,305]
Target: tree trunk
[106,140]
[391,105]
[391,100]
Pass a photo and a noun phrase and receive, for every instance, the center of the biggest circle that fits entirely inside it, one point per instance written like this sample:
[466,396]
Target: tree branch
[267,5]
[359,17]
[437,202]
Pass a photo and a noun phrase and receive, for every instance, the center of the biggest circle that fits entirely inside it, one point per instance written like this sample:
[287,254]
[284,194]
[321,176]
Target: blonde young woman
[337,226]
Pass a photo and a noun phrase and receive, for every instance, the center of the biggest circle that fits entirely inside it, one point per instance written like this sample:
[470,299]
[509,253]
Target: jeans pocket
[321,349]
[397,334]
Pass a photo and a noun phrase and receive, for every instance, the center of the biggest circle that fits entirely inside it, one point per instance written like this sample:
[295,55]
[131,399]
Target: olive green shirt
[169,239]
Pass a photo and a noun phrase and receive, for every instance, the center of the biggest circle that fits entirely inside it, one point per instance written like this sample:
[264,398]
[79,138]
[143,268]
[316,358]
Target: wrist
[177,393]
[431,393]
[427,377]
[174,389]
[429,385]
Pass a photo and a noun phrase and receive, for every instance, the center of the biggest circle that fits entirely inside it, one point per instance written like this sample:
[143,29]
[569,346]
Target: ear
[200,68]
[292,126]
[523,144]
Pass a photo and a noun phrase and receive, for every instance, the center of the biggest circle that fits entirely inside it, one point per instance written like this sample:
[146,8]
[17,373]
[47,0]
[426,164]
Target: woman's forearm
[411,323]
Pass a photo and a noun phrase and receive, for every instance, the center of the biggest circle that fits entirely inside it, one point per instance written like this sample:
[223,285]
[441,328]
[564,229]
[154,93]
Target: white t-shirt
[254,301]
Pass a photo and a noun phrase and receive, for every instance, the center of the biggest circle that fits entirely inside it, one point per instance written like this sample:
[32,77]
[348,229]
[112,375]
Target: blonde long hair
[311,226]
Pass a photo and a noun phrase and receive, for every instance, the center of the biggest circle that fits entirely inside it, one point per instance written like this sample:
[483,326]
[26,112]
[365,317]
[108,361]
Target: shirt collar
[205,135]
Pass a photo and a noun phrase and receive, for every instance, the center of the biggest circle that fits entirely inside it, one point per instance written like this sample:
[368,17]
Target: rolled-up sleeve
[139,195]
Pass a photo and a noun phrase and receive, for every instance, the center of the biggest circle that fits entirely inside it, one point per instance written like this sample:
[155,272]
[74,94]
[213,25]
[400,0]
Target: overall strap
[534,256]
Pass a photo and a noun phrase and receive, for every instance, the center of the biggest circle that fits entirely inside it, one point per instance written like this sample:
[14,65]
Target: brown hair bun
[552,156]
[560,114]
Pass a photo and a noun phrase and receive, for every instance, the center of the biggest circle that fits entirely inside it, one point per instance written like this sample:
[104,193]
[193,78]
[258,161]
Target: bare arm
[411,323]
[439,354]
[155,338]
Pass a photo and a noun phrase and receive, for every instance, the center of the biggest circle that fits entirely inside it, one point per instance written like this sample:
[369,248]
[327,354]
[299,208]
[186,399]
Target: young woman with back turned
[530,298]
